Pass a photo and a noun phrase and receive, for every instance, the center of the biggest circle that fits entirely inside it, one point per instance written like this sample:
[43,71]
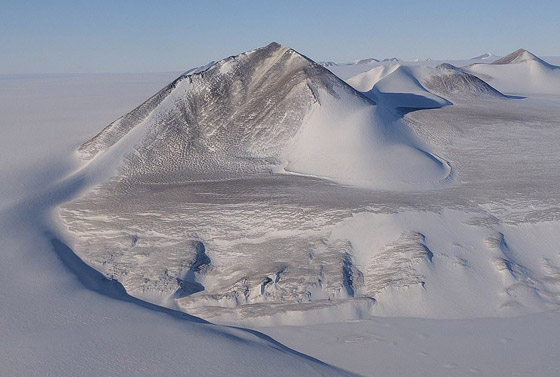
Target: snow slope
[520,73]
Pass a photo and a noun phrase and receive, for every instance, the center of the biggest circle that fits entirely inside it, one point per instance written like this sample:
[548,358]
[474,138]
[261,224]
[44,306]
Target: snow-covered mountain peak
[518,56]
[484,56]
[366,61]
[272,49]
[417,87]
[328,64]
[243,85]
[269,109]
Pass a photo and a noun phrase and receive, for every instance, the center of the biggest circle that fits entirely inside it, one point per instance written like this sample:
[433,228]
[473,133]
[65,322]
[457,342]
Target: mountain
[485,56]
[263,186]
[453,82]
[519,56]
[419,87]
[270,109]
[269,133]
[366,61]
[520,72]
[357,62]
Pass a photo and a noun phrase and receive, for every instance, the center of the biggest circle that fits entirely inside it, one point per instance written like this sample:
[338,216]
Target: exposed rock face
[234,117]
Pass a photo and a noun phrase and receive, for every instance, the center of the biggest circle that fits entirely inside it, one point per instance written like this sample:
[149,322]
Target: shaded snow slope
[263,110]
[520,73]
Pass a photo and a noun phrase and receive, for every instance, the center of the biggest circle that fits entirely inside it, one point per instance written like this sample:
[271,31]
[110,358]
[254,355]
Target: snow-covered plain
[457,278]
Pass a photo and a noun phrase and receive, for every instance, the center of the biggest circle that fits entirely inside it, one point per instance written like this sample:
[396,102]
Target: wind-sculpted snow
[265,190]
[226,119]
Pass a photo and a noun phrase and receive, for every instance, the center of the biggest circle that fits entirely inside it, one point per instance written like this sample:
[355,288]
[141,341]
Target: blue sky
[142,36]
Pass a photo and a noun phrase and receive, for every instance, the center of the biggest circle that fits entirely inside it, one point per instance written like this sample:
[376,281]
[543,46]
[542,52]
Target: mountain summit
[520,72]
[518,56]
[485,56]
[269,109]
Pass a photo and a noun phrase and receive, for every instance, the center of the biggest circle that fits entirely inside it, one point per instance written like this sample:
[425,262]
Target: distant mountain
[520,72]
[390,60]
[519,56]
[420,87]
[485,56]
[265,117]
[366,61]
[357,62]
